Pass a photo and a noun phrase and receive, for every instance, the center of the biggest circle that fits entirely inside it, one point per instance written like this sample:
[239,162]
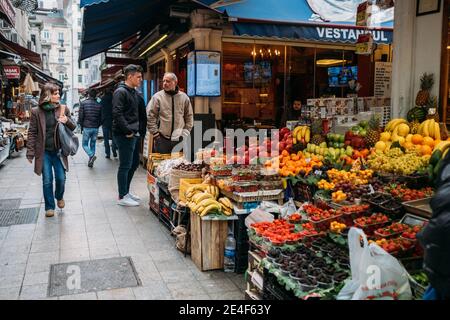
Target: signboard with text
[12,72]
[204,74]
[383,76]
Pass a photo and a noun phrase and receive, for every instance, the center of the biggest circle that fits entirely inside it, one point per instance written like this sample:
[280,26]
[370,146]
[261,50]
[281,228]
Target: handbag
[68,141]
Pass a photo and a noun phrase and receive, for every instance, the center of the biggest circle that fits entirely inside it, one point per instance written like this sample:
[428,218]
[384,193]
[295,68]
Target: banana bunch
[430,128]
[301,134]
[193,190]
[214,191]
[227,206]
[394,123]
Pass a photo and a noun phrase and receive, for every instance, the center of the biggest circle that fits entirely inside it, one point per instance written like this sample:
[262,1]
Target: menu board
[204,73]
[383,75]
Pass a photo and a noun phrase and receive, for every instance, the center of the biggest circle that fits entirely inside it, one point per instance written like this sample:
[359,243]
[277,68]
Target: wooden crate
[208,242]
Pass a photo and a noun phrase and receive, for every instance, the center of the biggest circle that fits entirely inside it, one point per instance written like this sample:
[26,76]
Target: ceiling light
[330,62]
[153,45]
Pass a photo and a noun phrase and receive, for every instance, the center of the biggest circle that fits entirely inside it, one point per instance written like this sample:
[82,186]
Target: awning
[108,23]
[41,76]
[7,12]
[21,51]
[324,20]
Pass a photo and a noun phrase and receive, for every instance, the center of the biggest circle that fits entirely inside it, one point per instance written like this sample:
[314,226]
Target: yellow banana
[209,209]
[426,131]
[431,128]
[203,197]
[420,130]
[443,146]
[395,134]
[227,212]
[204,203]
[295,132]
[226,202]
[437,131]
[394,123]
[308,136]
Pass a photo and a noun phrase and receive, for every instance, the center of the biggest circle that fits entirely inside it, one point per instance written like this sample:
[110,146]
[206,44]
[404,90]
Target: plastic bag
[288,209]
[376,275]
[165,168]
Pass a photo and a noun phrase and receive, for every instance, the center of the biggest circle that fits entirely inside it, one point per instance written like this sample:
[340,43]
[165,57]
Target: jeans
[52,163]
[107,135]
[129,162]
[89,140]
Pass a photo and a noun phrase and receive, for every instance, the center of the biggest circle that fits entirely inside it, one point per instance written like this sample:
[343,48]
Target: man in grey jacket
[170,115]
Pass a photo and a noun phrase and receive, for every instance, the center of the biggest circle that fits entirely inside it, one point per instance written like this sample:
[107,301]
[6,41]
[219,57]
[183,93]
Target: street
[93,227]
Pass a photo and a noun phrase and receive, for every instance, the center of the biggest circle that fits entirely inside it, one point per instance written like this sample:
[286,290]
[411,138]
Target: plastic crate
[370,229]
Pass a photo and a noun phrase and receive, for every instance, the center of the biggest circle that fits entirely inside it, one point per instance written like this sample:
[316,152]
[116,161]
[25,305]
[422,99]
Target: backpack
[68,141]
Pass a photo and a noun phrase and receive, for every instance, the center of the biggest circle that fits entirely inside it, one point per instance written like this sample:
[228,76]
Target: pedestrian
[170,115]
[107,121]
[43,146]
[90,118]
[126,125]
[435,238]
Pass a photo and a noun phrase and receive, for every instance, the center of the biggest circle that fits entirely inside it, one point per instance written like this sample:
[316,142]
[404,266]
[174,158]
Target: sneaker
[134,197]
[127,202]
[91,161]
[108,157]
[115,154]
[61,203]
[49,213]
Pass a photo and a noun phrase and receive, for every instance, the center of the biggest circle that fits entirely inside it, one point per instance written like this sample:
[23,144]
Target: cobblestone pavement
[93,227]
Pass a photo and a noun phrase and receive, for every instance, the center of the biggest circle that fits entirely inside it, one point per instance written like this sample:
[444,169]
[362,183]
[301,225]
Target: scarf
[172,92]
[48,107]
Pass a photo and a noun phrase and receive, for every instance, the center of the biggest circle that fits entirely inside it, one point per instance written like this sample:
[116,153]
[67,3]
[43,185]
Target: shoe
[134,197]
[115,155]
[49,213]
[91,161]
[61,203]
[108,157]
[127,202]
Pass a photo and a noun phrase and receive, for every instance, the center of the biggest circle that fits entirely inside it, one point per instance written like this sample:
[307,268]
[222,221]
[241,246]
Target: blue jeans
[129,162]
[107,135]
[89,140]
[53,163]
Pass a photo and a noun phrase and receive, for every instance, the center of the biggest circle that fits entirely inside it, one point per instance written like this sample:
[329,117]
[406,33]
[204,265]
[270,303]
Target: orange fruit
[436,142]
[408,145]
[285,153]
[417,139]
[428,141]
[426,150]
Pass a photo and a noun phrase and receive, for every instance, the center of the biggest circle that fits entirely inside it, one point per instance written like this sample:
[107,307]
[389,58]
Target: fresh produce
[390,246]
[406,194]
[189,167]
[430,128]
[331,153]
[227,206]
[301,134]
[325,185]
[356,177]
[412,232]
[286,140]
[339,196]
[337,227]
[373,133]
[397,161]
[317,132]
[421,278]
[295,218]
[393,229]
[295,164]
[372,223]
[201,199]
[355,140]
[336,140]
[426,83]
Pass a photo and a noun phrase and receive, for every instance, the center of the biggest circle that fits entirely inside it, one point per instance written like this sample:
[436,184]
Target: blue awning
[106,24]
[312,20]
[85,3]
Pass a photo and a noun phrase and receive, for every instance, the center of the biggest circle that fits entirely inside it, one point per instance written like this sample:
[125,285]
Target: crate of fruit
[391,231]
[372,223]
[352,212]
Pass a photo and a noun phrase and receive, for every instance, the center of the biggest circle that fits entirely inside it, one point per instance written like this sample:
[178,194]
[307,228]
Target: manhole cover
[12,217]
[8,204]
[91,276]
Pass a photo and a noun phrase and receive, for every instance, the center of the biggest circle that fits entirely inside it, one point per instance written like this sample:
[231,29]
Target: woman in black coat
[435,238]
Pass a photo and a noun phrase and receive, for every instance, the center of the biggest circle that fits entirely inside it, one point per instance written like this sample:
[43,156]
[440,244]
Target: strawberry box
[350,213]
[392,231]
[324,224]
[370,224]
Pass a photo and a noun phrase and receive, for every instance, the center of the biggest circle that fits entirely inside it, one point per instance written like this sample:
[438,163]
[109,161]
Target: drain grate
[92,276]
[9,204]
[18,216]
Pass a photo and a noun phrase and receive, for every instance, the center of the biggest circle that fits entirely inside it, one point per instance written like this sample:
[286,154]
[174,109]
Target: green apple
[323,145]
[363,133]
[341,138]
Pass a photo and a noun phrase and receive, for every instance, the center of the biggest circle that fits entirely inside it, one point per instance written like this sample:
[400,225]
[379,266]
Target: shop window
[80,78]
[61,76]
[86,64]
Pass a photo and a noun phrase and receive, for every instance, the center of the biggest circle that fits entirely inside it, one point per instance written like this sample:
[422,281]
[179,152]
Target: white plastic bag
[376,275]
[288,209]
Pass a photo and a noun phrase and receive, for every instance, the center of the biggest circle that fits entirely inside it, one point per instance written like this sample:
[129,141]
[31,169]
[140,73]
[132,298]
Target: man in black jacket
[435,238]
[126,131]
[90,118]
[107,123]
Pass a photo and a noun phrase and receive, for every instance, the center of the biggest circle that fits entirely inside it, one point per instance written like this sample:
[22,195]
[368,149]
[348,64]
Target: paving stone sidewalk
[93,227]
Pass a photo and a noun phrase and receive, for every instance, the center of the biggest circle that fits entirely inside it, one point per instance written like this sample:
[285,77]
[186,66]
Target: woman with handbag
[44,147]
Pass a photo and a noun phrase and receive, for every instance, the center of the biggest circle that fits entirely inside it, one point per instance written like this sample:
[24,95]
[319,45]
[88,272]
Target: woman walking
[43,145]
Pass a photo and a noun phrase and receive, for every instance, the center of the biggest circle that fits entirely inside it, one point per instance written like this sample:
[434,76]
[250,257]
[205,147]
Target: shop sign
[361,15]
[352,35]
[12,72]
[383,76]
[364,46]
[8,10]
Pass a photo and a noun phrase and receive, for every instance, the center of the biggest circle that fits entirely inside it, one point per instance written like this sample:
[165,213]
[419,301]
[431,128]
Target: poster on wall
[204,73]
[383,76]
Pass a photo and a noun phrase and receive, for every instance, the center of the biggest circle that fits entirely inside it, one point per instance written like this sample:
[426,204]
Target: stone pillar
[168,58]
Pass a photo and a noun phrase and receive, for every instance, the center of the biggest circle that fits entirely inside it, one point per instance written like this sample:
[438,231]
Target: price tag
[318,172]
[372,190]
[258,280]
